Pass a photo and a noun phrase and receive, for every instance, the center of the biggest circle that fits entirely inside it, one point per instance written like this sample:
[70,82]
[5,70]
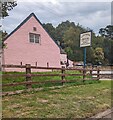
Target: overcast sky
[94,15]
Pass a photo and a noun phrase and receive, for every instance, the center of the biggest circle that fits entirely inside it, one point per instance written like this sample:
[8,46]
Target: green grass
[7,80]
[69,101]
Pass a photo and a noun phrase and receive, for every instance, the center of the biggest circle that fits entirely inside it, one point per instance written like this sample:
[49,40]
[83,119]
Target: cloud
[56,1]
[89,14]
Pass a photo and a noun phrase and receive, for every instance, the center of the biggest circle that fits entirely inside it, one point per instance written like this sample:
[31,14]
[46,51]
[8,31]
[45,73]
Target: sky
[94,14]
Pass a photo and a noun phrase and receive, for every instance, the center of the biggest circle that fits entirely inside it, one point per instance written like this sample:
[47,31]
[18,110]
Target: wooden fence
[84,73]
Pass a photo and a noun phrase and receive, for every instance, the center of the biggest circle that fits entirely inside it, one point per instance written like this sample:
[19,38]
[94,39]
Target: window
[34,29]
[34,38]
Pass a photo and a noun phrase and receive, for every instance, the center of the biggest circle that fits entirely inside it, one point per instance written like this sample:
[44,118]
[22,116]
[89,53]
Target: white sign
[85,39]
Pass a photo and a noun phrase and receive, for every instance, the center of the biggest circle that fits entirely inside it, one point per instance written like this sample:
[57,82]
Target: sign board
[85,39]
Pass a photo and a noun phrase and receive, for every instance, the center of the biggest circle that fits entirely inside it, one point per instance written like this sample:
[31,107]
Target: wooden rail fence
[85,73]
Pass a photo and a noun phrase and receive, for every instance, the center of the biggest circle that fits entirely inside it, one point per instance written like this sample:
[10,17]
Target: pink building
[29,43]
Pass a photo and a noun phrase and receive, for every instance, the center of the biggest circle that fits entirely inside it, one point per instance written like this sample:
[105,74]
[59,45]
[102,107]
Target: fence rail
[48,68]
[84,73]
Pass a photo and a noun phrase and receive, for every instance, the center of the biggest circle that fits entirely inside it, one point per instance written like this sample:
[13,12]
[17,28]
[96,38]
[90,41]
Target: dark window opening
[34,29]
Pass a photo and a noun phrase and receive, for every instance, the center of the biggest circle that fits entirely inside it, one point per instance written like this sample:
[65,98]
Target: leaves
[7,6]
[99,55]
[107,32]
[67,34]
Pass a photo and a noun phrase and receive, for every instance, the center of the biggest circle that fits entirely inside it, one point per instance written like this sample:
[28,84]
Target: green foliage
[50,29]
[7,6]
[71,41]
[99,55]
[107,32]
[68,35]
[108,50]
[61,28]
[2,36]
[90,55]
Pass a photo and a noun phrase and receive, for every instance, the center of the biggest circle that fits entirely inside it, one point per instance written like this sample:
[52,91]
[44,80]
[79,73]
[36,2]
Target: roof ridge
[24,21]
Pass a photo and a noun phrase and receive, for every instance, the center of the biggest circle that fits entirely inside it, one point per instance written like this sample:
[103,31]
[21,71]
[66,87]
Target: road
[109,76]
[106,114]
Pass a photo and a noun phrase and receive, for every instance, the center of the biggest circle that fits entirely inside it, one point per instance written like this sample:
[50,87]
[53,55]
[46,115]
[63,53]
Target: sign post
[84,57]
[85,41]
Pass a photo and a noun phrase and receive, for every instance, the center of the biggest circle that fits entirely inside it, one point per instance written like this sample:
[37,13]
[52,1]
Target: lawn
[6,80]
[68,101]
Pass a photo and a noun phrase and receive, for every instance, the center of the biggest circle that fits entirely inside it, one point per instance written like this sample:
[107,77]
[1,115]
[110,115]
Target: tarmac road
[109,76]
[106,114]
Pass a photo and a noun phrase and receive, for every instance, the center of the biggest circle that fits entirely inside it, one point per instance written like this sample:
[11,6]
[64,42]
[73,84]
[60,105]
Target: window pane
[31,37]
[36,38]
[32,40]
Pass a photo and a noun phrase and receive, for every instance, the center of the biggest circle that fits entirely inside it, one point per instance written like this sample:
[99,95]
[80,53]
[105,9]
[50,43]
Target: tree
[107,32]
[50,29]
[7,6]
[71,40]
[90,55]
[108,50]
[2,36]
[99,55]
[60,30]
[68,35]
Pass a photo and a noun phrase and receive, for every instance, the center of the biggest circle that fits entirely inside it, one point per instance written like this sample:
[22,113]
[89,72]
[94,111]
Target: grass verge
[70,101]
[11,79]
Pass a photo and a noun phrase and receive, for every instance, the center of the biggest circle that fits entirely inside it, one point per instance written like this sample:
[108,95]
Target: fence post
[47,64]
[84,74]
[21,63]
[98,73]
[36,64]
[91,73]
[28,76]
[63,76]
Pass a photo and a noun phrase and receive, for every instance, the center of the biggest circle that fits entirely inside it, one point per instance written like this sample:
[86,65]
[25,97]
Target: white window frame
[34,38]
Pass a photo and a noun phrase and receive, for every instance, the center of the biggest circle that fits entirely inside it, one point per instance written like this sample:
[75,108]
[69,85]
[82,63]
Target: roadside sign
[85,39]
